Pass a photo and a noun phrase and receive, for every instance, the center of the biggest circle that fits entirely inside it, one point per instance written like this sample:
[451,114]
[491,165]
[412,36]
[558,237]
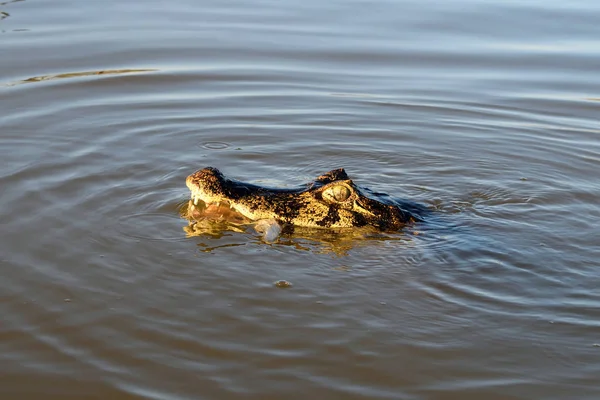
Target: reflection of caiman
[331,201]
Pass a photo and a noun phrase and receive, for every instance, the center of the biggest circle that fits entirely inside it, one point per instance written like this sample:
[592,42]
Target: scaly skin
[332,201]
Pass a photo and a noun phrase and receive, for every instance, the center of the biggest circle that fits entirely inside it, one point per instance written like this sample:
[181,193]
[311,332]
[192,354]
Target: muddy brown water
[485,112]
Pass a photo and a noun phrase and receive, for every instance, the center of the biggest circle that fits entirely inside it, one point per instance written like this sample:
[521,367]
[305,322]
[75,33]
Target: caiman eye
[339,193]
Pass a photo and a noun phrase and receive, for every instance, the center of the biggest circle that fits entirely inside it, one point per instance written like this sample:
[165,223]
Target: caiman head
[331,201]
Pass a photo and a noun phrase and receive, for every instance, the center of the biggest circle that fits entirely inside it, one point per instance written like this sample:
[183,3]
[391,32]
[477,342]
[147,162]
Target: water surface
[484,112]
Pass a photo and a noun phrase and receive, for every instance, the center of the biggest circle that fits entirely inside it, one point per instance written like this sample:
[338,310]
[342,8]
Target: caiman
[331,201]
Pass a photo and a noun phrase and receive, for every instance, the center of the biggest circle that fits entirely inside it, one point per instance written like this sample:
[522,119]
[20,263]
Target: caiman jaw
[197,193]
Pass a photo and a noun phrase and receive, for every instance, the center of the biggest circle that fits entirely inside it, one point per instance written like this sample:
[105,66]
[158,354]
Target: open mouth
[199,209]
[197,196]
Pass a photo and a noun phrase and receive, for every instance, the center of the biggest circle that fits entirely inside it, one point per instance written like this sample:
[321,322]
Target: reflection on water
[78,75]
[323,241]
[213,223]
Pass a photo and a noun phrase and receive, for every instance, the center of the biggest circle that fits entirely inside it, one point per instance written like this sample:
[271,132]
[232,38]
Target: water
[485,112]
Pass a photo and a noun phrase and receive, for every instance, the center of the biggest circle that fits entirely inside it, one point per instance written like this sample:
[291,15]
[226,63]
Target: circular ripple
[152,226]
[215,145]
